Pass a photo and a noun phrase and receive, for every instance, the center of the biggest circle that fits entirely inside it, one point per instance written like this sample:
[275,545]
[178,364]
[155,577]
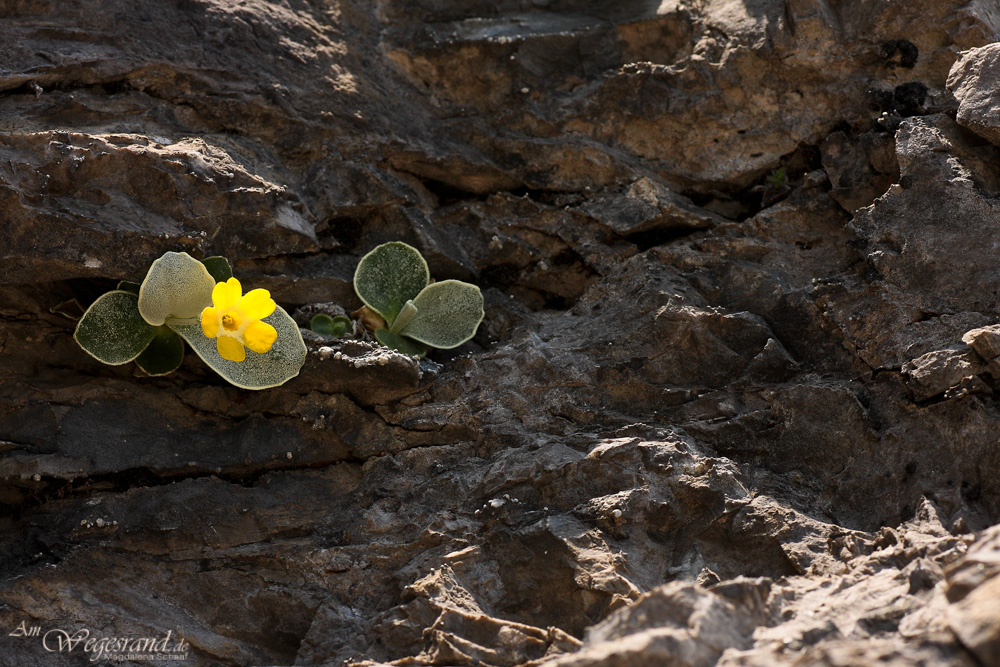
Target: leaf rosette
[146,323]
[394,281]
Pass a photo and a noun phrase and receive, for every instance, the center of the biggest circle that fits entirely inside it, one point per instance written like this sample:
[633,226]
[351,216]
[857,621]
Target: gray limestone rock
[733,401]
[973,82]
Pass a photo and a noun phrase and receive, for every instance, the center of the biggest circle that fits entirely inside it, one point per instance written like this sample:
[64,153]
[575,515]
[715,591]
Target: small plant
[331,326]
[202,303]
[778,178]
[393,281]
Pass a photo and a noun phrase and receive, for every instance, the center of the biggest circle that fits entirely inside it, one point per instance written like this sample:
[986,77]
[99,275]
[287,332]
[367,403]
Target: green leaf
[112,330]
[406,314]
[219,268]
[448,314]
[177,286]
[128,286]
[164,353]
[331,326]
[399,343]
[258,371]
[389,276]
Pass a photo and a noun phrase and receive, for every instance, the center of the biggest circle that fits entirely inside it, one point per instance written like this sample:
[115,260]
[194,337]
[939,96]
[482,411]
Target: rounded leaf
[389,276]
[218,267]
[177,286]
[112,330]
[448,314]
[330,326]
[342,325]
[258,371]
[164,353]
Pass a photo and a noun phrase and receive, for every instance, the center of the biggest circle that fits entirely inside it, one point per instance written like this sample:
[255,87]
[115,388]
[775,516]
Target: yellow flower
[234,320]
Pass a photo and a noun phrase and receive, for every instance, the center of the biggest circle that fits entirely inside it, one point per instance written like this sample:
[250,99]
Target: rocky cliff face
[733,402]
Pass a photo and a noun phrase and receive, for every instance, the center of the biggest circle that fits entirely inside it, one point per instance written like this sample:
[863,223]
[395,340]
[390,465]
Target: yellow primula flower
[234,320]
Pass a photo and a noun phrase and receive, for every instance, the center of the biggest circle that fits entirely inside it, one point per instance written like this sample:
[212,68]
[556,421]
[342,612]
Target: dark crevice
[346,231]
[500,276]
[657,237]
[122,481]
[87,290]
[779,183]
[111,87]
[898,53]
[447,193]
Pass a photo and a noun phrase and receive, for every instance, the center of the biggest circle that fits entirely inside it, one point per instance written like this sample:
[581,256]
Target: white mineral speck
[496,502]
[616,514]
[37,477]
[100,523]
[288,455]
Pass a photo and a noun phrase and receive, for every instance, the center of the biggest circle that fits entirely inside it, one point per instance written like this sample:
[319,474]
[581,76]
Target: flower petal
[225,295]
[258,304]
[259,336]
[210,322]
[231,349]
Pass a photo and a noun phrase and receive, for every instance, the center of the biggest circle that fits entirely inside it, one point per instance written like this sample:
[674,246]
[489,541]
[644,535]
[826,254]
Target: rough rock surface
[733,402]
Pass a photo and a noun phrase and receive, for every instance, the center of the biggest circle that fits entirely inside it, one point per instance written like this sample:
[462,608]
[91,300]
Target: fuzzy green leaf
[448,314]
[331,326]
[389,276]
[177,286]
[112,330]
[219,267]
[406,314]
[399,343]
[258,371]
[164,353]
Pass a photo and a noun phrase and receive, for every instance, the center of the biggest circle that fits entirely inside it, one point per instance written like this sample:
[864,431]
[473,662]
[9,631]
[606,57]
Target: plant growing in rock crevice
[331,326]
[202,303]
[394,282]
